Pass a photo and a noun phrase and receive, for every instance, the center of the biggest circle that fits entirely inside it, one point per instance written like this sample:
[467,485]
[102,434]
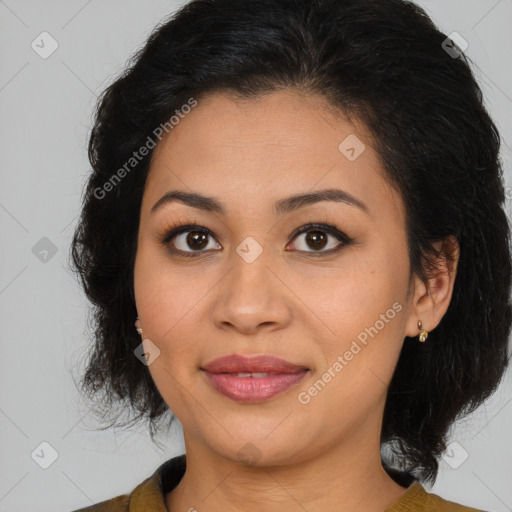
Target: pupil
[315,237]
[193,238]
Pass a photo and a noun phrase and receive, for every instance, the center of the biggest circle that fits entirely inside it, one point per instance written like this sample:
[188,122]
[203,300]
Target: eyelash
[177,228]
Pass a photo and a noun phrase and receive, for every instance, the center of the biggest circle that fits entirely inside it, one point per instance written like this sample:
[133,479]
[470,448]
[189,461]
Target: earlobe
[418,308]
[138,326]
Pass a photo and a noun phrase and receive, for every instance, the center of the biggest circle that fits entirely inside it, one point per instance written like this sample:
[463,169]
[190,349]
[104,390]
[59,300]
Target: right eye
[188,240]
[191,237]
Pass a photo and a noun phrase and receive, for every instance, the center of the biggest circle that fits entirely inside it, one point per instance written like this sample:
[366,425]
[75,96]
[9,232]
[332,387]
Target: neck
[345,477]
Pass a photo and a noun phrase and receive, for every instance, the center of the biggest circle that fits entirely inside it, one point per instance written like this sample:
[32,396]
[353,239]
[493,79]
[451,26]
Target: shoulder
[146,497]
[417,499]
[435,502]
[117,504]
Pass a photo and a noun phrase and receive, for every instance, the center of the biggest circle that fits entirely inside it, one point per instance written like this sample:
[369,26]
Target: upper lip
[252,364]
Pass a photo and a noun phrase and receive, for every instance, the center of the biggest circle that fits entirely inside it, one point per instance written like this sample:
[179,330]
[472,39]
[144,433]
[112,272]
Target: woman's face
[336,309]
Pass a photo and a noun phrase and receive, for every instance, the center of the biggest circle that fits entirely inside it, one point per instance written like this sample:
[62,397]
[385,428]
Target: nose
[251,297]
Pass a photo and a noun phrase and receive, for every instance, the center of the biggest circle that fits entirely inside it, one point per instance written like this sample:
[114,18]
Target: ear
[137,324]
[429,304]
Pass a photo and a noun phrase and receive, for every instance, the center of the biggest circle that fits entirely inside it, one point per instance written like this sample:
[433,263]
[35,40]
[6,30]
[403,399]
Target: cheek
[169,301]
[366,316]
[167,305]
[164,294]
[356,299]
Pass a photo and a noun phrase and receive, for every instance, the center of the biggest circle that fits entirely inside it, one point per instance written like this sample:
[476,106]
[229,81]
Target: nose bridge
[251,276]
[251,294]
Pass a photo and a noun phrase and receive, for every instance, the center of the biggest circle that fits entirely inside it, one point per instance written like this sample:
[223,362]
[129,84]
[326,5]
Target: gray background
[46,109]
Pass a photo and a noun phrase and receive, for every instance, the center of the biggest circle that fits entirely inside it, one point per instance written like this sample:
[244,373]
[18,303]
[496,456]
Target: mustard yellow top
[149,496]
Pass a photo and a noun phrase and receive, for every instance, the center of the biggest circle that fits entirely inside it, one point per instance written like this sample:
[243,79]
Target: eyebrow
[281,207]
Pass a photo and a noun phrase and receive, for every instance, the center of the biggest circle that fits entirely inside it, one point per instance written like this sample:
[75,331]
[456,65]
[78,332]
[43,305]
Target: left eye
[181,239]
[318,239]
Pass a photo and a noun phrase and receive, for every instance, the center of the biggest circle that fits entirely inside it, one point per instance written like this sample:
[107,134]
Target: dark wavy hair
[383,62]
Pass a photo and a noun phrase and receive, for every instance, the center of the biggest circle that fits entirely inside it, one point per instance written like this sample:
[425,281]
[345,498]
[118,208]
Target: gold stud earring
[423,334]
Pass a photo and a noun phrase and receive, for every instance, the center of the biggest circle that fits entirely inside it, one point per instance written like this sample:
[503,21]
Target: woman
[299,204]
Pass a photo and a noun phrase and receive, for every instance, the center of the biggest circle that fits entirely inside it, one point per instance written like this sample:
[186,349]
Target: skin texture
[323,455]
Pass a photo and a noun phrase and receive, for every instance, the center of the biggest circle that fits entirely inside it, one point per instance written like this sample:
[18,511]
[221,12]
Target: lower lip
[253,389]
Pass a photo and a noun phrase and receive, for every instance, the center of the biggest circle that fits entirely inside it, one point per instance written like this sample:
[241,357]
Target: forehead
[279,121]
[276,145]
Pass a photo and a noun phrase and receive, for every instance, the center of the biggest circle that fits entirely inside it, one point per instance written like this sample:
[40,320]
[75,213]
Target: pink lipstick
[253,379]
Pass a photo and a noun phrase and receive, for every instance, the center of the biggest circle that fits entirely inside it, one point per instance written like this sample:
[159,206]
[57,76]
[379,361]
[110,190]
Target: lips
[249,364]
[253,379]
